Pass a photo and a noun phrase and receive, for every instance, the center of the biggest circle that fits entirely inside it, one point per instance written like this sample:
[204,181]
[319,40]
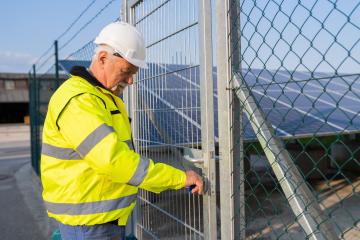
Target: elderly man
[89,169]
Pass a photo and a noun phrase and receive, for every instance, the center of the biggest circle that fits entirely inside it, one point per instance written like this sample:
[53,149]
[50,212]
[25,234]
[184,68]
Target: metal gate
[171,122]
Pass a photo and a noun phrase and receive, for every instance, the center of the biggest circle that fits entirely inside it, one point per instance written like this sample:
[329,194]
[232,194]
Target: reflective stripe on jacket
[89,170]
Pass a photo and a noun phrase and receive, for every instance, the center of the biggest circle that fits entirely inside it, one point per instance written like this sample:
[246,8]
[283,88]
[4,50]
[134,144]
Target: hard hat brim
[138,63]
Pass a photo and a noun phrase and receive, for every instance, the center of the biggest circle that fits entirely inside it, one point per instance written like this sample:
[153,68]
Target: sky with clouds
[29,28]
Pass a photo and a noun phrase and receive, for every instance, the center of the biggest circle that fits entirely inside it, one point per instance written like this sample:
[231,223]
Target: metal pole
[237,131]
[124,11]
[238,170]
[224,115]
[304,205]
[32,116]
[207,119]
[57,80]
[131,106]
[36,123]
[126,94]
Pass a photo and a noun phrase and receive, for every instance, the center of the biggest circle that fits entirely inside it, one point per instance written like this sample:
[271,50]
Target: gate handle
[193,160]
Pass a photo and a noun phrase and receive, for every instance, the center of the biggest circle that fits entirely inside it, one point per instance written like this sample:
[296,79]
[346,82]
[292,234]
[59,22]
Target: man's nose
[130,80]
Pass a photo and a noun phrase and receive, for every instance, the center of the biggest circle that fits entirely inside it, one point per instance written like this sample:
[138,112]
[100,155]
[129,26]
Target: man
[89,170]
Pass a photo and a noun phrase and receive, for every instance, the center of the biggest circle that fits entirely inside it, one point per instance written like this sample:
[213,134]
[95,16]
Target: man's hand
[192,178]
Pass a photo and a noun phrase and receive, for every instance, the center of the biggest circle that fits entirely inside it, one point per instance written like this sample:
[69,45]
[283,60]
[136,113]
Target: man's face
[119,73]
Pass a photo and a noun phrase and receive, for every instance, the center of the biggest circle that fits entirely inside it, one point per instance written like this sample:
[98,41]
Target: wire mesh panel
[41,87]
[167,117]
[293,65]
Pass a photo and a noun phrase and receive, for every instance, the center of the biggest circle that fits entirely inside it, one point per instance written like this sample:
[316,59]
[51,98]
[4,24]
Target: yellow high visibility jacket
[89,170]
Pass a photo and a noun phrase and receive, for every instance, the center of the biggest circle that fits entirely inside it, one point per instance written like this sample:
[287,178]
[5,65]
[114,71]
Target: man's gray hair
[100,48]
[103,47]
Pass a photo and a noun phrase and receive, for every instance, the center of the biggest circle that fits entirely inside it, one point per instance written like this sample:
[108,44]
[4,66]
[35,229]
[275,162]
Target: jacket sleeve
[87,126]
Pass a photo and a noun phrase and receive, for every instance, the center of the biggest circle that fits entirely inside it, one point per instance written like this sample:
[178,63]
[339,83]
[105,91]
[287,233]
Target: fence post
[35,125]
[124,11]
[57,80]
[207,119]
[236,126]
[130,101]
[229,203]
[32,117]
[124,15]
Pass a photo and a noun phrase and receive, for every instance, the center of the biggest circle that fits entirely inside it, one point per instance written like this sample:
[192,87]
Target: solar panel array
[297,104]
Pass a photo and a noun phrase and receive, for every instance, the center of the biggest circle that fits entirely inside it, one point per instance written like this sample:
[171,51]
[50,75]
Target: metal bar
[126,94]
[172,34]
[124,11]
[32,118]
[36,123]
[131,105]
[57,80]
[238,171]
[224,116]
[151,12]
[304,205]
[169,72]
[207,118]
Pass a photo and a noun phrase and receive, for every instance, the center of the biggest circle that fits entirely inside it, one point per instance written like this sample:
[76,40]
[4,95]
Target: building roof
[14,76]
[14,95]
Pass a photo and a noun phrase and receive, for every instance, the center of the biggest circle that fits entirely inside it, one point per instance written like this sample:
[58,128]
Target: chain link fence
[293,77]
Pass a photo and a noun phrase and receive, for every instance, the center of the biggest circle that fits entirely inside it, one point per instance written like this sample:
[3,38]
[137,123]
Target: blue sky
[29,28]
[312,35]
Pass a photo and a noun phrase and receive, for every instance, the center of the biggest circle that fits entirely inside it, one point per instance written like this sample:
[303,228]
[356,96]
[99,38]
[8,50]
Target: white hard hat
[126,40]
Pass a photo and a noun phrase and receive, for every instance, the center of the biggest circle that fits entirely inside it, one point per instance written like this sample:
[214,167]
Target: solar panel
[306,106]
[297,104]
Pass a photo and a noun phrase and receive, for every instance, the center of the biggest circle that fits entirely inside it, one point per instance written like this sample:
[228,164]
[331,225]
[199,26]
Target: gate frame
[232,190]
[208,163]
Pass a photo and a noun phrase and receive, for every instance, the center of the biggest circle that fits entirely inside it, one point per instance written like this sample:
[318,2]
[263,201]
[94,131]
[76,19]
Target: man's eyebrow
[134,70]
[130,70]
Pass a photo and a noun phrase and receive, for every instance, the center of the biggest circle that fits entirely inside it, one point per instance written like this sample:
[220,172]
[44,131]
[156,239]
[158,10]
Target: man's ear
[102,57]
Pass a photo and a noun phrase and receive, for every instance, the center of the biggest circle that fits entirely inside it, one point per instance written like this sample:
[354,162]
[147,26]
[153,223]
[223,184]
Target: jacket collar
[85,74]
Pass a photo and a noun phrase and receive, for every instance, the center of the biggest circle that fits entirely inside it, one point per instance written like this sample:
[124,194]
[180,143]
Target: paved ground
[22,213]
